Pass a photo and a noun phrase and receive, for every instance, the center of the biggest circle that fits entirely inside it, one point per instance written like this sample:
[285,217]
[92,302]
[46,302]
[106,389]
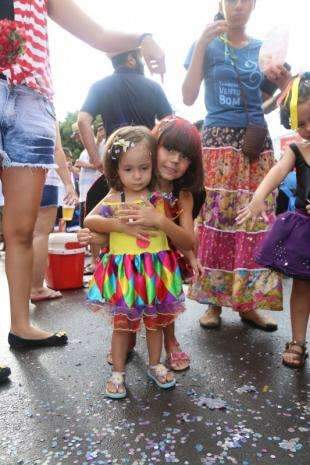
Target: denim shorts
[27,128]
[49,196]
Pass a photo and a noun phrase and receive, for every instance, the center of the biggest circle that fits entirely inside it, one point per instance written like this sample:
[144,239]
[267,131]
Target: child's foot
[161,376]
[176,360]
[115,387]
[211,319]
[295,354]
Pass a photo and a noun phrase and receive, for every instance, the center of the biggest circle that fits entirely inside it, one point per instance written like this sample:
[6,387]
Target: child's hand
[84,236]
[253,210]
[279,75]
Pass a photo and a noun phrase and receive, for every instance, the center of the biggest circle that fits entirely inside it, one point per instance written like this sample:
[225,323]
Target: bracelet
[142,37]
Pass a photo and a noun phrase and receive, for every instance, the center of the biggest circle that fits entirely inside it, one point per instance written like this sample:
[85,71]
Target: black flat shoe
[57,339]
[4,373]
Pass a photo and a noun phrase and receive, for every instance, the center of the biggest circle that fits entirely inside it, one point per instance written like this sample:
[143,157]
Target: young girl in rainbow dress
[287,246]
[139,278]
[179,176]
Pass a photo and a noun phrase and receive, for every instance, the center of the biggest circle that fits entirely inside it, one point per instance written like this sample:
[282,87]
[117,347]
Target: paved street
[236,405]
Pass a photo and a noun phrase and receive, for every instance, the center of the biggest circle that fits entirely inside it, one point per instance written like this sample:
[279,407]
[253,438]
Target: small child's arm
[87,237]
[100,221]
[269,183]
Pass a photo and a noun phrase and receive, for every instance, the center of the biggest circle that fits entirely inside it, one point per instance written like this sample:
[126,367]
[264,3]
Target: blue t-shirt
[127,98]
[222,91]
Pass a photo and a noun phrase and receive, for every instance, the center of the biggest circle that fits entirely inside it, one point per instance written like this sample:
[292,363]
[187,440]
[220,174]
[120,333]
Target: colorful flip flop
[118,380]
[160,371]
[174,357]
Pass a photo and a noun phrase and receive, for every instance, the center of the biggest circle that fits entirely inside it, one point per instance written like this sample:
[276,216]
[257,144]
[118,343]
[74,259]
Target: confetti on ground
[237,405]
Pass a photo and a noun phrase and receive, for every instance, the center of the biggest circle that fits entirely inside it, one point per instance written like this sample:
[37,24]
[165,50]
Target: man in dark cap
[124,98]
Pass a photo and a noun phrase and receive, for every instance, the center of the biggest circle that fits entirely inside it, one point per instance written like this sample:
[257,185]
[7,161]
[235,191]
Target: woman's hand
[212,31]
[71,197]
[253,210]
[154,56]
[279,75]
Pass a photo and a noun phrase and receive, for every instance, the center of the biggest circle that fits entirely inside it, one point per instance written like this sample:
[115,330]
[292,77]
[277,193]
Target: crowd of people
[158,199]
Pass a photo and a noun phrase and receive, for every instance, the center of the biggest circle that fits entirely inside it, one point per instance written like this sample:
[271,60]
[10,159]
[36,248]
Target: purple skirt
[286,247]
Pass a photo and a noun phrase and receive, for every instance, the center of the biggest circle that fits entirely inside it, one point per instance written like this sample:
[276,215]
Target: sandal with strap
[157,373]
[175,358]
[299,357]
[118,381]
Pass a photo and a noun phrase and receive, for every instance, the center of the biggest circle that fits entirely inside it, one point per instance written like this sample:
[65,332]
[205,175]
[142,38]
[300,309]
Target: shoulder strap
[295,149]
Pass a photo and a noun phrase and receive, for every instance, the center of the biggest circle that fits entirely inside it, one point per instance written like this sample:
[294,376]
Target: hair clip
[165,124]
[120,146]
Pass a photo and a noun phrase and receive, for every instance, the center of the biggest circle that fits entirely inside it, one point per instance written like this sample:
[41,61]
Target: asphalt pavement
[236,405]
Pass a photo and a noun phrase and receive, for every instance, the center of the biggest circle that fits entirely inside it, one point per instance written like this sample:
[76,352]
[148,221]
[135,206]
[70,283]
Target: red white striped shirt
[33,67]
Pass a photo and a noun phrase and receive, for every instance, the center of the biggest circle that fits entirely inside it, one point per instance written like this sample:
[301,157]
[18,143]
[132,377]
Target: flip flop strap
[159,370]
[117,378]
[179,356]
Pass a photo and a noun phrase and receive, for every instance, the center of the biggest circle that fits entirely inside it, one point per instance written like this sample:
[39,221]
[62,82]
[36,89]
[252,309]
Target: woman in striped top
[27,137]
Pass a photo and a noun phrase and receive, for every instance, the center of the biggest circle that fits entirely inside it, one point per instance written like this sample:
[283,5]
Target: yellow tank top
[121,243]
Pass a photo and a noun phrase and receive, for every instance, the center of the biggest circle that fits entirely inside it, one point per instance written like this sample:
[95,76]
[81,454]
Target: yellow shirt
[121,243]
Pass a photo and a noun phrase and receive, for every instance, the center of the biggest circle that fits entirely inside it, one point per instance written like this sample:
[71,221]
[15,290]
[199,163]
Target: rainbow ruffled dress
[137,279]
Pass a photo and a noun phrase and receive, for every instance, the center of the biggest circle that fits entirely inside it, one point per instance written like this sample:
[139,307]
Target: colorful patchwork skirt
[231,276]
[131,288]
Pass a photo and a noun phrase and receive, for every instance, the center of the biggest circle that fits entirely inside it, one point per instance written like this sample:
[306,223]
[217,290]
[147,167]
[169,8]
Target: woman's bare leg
[22,189]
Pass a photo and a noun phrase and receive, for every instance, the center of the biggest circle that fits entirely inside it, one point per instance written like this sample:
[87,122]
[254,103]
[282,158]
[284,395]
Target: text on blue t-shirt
[223,98]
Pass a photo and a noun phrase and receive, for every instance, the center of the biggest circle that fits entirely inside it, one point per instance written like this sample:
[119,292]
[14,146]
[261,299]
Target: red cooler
[65,262]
